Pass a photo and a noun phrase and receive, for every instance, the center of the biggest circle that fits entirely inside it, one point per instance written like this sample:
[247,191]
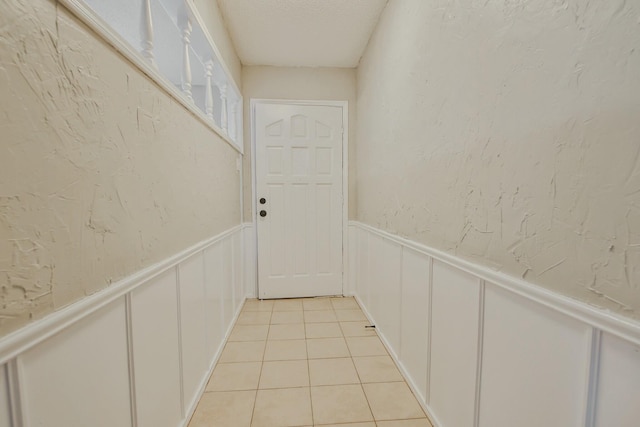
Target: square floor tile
[224,409]
[258,305]
[344,304]
[332,372]
[282,407]
[286,350]
[317,304]
[284,374]
[287,305]
[392,401]
[377,369]
[420,422]
[339,404]
[254,318]
[235,376]
[323,330]
[357,329]
[350,315]
[280,317]
[366,346]
[325,348]
[294,331]
[243,351]
[318,316]
[249,333]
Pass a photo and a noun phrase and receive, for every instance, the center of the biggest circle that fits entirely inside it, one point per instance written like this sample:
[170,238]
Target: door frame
[345,175]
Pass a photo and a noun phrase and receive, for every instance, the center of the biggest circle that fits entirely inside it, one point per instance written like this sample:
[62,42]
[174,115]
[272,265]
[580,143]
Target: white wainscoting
[136,354]
[250,269]
[540,356]
[154,317]
[193,337]
[483,349]
[415,314]
[455,305]
[5,409]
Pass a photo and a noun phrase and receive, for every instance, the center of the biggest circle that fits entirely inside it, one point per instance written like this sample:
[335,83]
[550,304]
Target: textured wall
[210,13]
[508,132]
[101,172]
[338,84]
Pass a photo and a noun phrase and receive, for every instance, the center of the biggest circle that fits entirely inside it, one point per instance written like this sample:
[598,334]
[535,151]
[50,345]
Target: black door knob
[263,200]
[263,213]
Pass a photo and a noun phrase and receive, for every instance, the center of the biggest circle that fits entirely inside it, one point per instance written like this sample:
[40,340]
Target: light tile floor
[306,362]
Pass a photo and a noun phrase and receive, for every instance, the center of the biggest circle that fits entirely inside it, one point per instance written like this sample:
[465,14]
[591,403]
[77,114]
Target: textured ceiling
[301,33]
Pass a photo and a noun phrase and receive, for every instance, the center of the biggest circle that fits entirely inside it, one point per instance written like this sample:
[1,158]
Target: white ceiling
[301,33]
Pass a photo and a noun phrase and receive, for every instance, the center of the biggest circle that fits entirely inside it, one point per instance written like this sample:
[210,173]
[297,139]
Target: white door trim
[345,173]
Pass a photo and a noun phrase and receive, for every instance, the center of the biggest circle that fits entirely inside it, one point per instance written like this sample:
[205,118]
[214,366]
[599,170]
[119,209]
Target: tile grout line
[313,420]
[264,351]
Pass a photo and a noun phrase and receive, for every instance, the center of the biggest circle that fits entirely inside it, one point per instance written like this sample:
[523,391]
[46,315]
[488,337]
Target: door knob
[263,213]
[263,200]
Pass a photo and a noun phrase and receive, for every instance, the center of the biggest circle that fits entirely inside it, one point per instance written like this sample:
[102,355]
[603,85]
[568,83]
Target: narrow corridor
[303,362]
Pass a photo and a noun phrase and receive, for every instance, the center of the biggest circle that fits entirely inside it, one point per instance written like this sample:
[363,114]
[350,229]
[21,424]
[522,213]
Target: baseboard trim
[32,334]
[615,324]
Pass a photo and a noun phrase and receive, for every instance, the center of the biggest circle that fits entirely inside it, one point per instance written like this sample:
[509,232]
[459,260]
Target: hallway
[303,362]
[465,176]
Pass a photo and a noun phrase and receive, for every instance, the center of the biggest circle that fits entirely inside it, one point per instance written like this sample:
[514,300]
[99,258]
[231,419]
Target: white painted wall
[101,172]
[506,132]
[336,84]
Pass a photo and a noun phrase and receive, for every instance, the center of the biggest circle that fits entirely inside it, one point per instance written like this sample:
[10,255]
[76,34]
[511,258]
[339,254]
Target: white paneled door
[299,199]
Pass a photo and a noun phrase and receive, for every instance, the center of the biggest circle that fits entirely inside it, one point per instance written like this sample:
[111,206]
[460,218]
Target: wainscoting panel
[227,281]
[363,282]
[213,300]
[236,264]
[454,345]
[136,354]
[414,355]
[618,397]
[5,408]
[192,326]
[534,364]
[80,377]
[483,349]
[385,266]
[352,262]
[155,334]
[250,264]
